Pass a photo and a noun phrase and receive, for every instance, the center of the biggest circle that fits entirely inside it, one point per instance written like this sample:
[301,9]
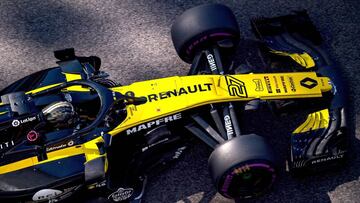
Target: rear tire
[202,27]
[242,167]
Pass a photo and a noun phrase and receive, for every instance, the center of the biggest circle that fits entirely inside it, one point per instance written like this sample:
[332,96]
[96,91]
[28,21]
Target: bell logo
[308,83]
[236,87]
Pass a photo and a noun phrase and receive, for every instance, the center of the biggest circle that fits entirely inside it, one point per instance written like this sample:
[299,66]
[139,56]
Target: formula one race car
[69,129]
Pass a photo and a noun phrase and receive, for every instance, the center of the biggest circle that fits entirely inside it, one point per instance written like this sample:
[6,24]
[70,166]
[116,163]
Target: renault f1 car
[69,128]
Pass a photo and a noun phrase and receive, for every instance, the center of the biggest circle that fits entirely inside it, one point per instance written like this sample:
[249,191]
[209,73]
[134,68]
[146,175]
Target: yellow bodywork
[162,101]
[304,59]
[69,77]
[172,95]
[88,149]
[315,121]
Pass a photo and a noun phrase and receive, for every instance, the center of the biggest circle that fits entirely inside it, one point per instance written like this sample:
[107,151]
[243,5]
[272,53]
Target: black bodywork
[320,149]
[132,158]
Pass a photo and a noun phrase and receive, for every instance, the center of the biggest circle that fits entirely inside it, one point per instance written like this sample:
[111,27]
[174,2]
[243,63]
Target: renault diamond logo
[236,87]
[308,83]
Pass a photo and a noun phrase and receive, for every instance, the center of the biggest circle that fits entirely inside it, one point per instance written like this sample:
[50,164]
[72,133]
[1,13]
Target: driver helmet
[60,114]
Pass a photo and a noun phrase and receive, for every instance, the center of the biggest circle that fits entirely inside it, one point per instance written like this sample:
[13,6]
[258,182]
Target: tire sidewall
[201,27]
[240,153]
[226,180]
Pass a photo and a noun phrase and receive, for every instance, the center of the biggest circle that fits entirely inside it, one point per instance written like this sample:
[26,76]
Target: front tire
[243,167]
[202,27]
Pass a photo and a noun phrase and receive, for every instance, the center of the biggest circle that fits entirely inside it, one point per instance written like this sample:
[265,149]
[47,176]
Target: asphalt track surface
[133,40]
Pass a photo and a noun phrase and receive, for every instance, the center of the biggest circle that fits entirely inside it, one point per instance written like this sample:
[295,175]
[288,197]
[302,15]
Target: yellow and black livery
[122,134]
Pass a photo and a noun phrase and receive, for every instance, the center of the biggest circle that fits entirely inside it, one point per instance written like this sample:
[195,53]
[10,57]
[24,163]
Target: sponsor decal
[211,62]
[329,158]
[32,136]
[60,146]
[236,87]
[282,78]
[277,89]
[241,169]
[308,83]
[268,85]
[53,195]
[6,145]
[46,194]
[228,126]
[292,84]
[231,177]
[259,85]
[181,91]
[101,184]
[121,194]
[152,124]
[16,123]
[70,143]
[97,185]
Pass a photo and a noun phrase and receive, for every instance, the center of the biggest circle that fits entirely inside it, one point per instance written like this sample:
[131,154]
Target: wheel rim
[247,180]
